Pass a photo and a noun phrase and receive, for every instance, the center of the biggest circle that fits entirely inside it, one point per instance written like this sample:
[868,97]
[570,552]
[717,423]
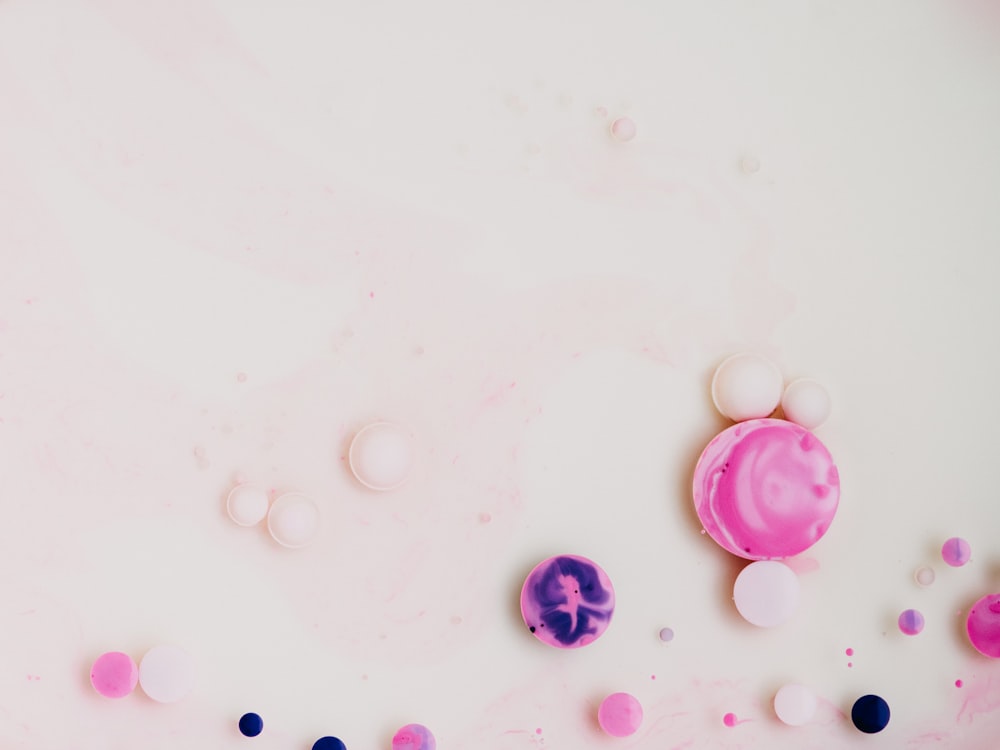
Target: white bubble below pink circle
[766,593]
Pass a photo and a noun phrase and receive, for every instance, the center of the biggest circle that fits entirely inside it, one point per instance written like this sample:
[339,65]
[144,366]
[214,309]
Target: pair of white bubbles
[750,386]
[380,457]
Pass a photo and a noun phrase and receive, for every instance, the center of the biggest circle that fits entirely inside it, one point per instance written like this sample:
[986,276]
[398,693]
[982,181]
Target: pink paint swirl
[766,489]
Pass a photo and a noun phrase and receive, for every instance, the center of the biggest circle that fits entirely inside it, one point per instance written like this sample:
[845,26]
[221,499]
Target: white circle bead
[795,704]
[806,403]
[381,456]
[247,504]
[167,673]
[746,386]
[766,593]
[293,520]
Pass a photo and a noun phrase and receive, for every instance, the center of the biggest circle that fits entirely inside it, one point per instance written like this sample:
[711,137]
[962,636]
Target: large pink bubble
[983,625]
[766,489]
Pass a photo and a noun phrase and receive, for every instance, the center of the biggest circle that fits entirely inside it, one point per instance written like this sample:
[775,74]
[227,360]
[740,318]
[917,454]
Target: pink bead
[114,674]
[983,625]
[956,552]
[620,715]
[766,489]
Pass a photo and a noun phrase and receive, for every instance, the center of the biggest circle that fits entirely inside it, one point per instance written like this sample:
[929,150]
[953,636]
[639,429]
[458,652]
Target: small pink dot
[958,683]
[850,652]
[652,677]
[850,664]
[241,377]
[538,731]
[729,720]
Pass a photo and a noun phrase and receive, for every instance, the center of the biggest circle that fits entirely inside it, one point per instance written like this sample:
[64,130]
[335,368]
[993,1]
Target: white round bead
[795,704]
[381,456]
[746,386]
[293,520]
[167,673]
[806,403]
[766,593]
[247,504]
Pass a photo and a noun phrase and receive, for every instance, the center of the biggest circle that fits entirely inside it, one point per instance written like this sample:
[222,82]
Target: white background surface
[416,213]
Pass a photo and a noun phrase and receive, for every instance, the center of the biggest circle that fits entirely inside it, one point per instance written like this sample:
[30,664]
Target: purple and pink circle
[567,601]
[983,625]
[414,737]
[956,552]
[114,674]
[620,714]
[766,489]
[910,622]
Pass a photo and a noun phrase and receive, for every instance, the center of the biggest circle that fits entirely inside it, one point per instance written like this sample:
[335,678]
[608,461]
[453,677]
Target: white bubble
[806,403]
[766,593]
[795,704]
[924,576]
[381,456]
[746,386]
[247,504]
[623,129]
[293,520]
[167,673]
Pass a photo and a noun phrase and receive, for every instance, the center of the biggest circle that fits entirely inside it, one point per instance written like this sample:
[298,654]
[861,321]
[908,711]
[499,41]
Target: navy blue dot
[328,743]
[870,714]
[251,725]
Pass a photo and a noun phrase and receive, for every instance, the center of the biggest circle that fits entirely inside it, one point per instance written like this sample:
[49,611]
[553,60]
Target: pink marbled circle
[983,625]
[114,674]
[766,489]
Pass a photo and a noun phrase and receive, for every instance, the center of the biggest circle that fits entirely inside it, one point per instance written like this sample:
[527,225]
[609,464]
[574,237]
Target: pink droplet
[956,552]
[729,720]
[114,674]
[241,377]
[623,129]
[983,625]
[910,622]
[849,652]
[850,664]
[958,683]
[620,715]
[538,731]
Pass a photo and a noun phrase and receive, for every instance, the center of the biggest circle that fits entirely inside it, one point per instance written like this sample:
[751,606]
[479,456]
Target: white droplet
[247,504]
[795,704]
[293,520]
[766,593]
[806,403]
[623,129]
[167,673]
[924,576]
[750,164]
[746,386]
[381,456]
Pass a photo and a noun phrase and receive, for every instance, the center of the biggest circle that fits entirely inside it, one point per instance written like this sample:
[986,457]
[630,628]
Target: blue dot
[870,714]
[328,743]
[251,725]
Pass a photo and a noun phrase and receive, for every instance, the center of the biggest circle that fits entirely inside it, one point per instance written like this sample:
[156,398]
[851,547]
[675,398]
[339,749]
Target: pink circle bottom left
[114,674]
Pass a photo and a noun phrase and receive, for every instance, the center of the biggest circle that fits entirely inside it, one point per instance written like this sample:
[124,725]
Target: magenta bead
[766,489]
[983,625]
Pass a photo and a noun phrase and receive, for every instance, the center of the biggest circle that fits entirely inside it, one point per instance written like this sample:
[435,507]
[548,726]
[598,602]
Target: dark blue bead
[251,725]
[870,714]
[328,743]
